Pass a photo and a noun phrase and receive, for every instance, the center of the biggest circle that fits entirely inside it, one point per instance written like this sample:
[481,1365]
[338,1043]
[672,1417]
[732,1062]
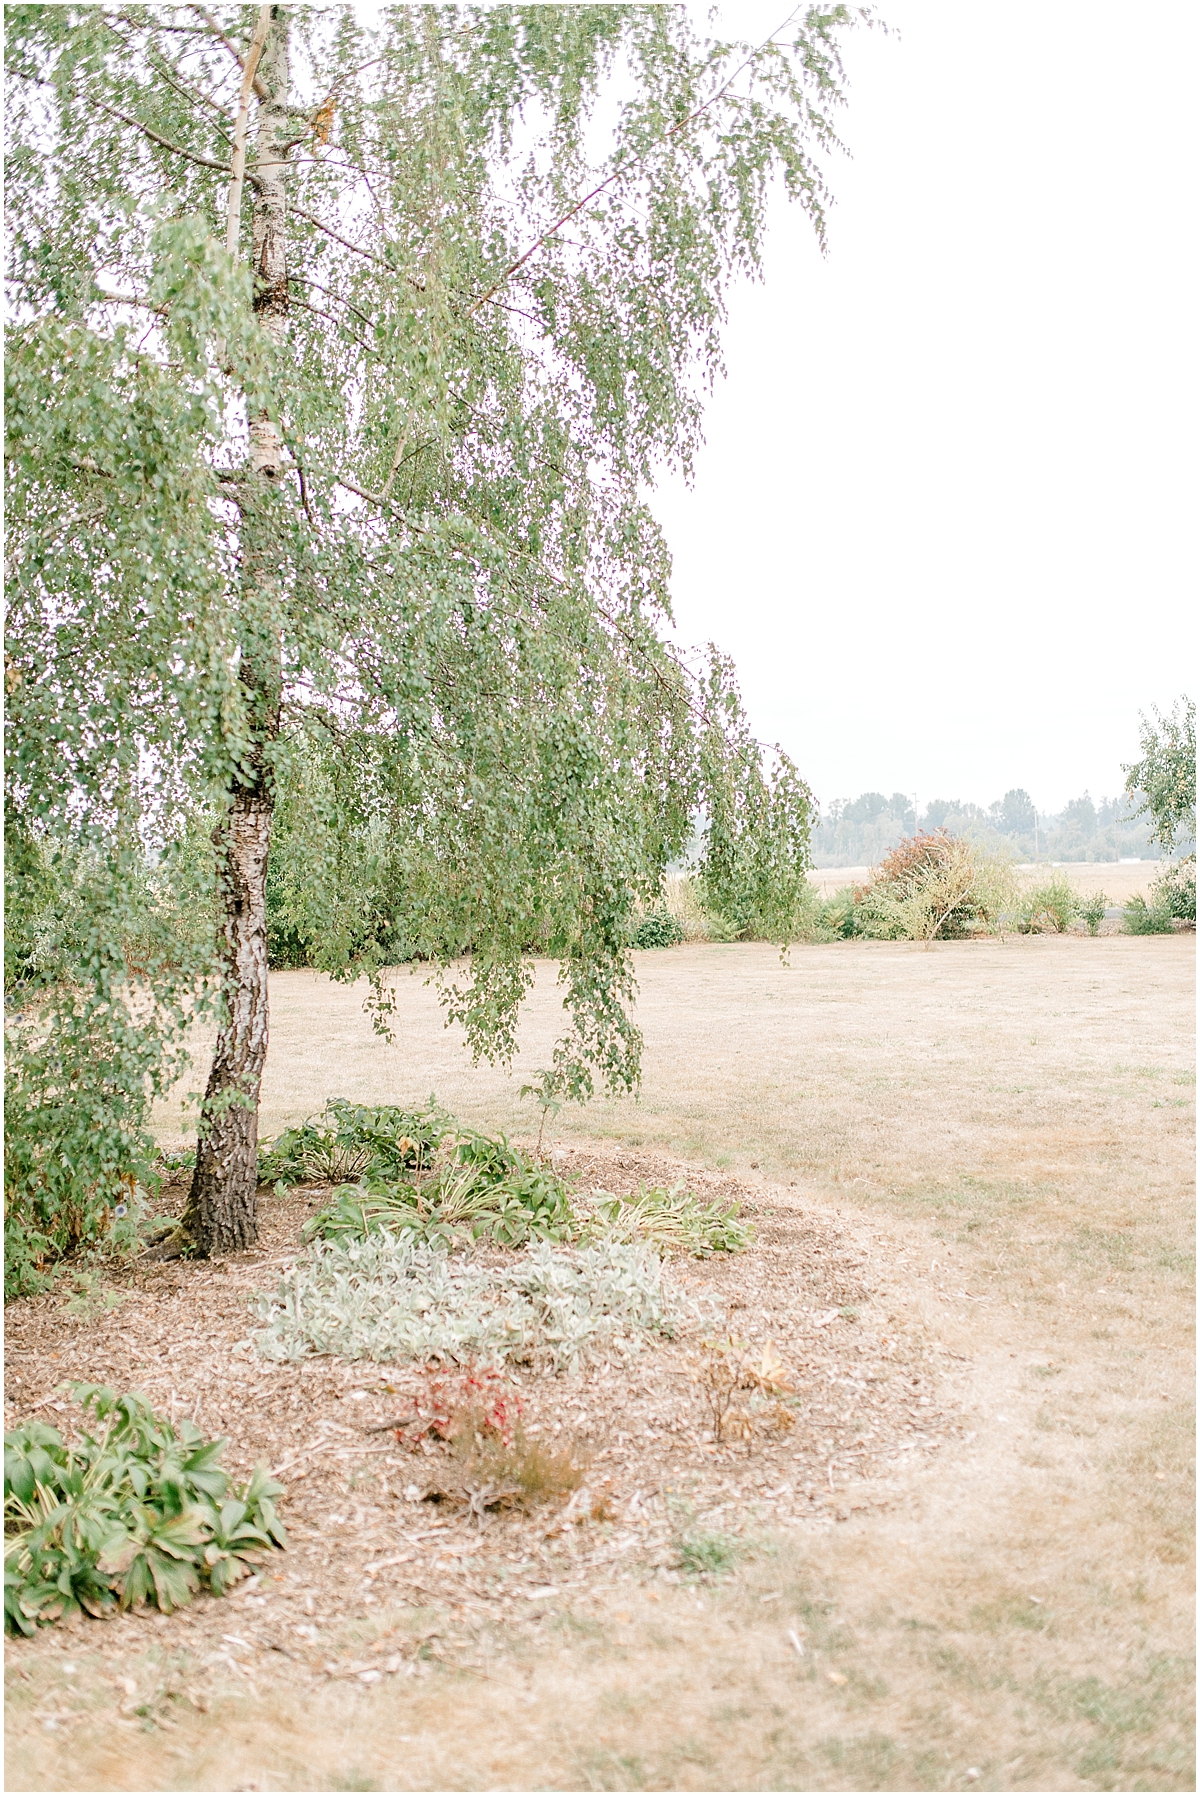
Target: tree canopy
[341,361]
[1165,777]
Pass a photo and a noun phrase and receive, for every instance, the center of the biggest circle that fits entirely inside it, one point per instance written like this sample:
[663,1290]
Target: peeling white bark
[222,1208]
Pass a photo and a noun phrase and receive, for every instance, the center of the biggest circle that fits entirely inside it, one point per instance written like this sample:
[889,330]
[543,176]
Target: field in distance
[1118,880]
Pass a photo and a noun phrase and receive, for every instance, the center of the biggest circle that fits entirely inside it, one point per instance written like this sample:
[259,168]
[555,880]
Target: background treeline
[859,832]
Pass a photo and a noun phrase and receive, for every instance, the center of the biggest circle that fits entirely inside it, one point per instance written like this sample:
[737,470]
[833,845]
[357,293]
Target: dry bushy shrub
[934,886]
[743,1390]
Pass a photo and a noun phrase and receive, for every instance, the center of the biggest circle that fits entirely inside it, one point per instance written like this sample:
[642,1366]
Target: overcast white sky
[942,518]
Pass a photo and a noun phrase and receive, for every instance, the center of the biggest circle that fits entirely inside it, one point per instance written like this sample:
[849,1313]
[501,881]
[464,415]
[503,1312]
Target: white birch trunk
[222,1208]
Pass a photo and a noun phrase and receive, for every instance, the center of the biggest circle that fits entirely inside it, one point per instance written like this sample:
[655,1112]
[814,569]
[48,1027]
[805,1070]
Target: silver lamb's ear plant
[391,1298]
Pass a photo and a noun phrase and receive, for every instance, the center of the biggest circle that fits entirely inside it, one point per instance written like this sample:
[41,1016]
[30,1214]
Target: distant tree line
[860,831]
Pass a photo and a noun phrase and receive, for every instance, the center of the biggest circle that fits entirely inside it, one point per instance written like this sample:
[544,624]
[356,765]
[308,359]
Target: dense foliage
[138,1513]
[1164,780]
[333,514]
[388,1298]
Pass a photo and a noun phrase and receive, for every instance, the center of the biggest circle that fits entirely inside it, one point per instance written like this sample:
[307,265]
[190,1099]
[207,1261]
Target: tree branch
[222,168]
[260,87]
[624,169]
[238,164]
[295,212]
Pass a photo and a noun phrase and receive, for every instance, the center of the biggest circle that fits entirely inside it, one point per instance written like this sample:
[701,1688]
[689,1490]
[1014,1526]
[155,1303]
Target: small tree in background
[1165,780]
[1165,777]
[332,401]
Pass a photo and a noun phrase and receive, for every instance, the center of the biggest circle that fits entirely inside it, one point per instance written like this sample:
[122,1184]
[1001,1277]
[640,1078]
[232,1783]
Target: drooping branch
[625,167]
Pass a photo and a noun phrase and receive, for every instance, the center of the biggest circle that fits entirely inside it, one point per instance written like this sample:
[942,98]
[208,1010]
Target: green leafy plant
[674,1221]
[838,915]
[657,928]
[1049,908]
[1091,909]
[488,1188]
[91,1299]
[139,1513]
[172,1164]
[351,1141]
[1175,890]
[1141,918]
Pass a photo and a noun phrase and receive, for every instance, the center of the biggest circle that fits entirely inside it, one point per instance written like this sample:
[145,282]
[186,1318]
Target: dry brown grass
[1013,1123]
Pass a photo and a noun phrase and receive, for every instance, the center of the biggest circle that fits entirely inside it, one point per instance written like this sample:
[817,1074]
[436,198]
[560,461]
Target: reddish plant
[928,848]
[478,1398]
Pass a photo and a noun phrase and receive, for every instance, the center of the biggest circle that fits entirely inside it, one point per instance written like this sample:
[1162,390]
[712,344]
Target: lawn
[998,1139]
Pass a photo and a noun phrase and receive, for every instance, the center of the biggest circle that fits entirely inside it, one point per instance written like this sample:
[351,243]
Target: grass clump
[139,1514]
[388,1297]
[709,1554]
[530,1471]
[674,1221]
[703,1554]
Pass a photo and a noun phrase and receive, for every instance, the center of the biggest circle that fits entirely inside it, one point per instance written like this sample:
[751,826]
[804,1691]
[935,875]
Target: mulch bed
[374,1564]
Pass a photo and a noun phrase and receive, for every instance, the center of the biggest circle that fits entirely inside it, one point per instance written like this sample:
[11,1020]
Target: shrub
[1049,908]
[743,1390]
[838,916]
[447,1402]
[77,1141]
[390,1298]
[657,928]
[673,1221]
[1146,919]
[140,1514]
[1091,910]
[1175,891]
[934,886]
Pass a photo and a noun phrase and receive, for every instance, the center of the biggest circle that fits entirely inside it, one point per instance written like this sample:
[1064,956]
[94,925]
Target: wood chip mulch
[377,1578]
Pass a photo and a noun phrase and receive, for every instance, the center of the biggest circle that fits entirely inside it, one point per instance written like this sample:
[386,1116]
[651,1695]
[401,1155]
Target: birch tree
[343,359]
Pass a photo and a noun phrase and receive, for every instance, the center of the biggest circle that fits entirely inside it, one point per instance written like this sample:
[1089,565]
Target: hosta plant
[489,1189]
[139,1512]
[674,1221]
[350,1141]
